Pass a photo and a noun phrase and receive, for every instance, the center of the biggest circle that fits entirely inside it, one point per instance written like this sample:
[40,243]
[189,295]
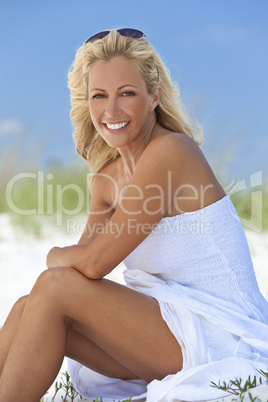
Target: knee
[52,282]
[19,306]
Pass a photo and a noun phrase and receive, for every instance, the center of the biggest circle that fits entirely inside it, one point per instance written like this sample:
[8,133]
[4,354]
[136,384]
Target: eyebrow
[127,85]
[119,88]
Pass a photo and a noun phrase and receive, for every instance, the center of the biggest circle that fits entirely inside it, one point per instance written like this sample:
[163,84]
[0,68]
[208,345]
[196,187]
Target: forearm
[74,256]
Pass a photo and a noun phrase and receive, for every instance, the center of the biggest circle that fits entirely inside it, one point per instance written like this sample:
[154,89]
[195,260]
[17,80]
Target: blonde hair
[169,113]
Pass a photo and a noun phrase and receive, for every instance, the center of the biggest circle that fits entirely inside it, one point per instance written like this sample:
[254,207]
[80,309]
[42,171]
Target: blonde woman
[191,311]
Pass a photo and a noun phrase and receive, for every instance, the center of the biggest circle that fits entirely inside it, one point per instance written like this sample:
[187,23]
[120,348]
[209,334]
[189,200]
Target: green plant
[36,196]
[67,387]
[237,388]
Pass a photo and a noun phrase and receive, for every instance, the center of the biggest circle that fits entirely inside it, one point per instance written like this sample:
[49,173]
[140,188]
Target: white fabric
[91,384]
[197,265]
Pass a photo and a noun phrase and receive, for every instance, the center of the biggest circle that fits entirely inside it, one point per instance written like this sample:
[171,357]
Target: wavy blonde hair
[169,113]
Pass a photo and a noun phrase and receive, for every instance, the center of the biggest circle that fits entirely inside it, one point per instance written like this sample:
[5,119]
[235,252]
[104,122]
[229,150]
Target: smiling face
[121,109]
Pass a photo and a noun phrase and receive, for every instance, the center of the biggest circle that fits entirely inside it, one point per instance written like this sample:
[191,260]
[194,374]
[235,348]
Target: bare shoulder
[192,178]
[173,148]
[172,153]
[172,138]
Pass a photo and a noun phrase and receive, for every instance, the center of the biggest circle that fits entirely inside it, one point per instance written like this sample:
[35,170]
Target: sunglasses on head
[127,32]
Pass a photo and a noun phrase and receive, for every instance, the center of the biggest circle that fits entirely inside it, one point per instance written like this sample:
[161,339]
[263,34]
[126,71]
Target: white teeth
[116,126]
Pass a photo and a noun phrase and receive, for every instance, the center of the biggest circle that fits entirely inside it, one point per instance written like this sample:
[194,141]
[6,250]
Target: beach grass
[46,189]
[250,210]
[239,388]
[69,392]
[34,196]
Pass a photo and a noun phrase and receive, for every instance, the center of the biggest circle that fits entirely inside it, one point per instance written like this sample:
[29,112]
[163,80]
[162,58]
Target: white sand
[23,256]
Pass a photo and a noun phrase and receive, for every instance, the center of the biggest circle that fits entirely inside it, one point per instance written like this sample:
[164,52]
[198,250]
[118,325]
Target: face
[121,109]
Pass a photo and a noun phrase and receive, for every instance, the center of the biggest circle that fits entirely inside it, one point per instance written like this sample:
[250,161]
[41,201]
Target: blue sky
[215,49]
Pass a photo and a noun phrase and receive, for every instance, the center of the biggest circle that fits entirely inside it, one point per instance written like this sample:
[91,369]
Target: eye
[98,96]
[128,93]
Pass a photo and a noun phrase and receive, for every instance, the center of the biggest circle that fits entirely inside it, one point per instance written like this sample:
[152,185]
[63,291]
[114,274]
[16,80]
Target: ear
[156,97]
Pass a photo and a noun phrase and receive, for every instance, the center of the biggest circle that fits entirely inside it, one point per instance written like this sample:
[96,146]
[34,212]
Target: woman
[191,312]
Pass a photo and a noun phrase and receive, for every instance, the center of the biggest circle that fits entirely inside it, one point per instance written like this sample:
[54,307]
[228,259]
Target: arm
[99,214]
[143,205]
[167,163]
[100,210]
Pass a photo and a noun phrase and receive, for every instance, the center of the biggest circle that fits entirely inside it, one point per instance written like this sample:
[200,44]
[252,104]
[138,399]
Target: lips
[116,126]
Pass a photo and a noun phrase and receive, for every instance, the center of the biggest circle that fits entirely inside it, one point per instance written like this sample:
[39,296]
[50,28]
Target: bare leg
[124,324]
[86,352]
[9,329]
[78,347]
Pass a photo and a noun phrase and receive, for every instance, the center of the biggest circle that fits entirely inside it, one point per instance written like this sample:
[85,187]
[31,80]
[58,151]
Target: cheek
[94,113]
[138,109]
[142,111]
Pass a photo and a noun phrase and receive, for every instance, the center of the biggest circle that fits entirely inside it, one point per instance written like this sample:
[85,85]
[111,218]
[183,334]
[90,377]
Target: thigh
[126,324]
[81,349]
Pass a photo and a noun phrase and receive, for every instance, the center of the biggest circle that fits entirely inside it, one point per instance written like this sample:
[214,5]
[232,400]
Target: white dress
[198,267]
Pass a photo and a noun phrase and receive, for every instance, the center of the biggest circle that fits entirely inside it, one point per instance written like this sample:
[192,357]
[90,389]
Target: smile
[116,126]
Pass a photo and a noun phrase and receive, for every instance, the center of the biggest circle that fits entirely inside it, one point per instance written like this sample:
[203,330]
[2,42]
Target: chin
[116,142]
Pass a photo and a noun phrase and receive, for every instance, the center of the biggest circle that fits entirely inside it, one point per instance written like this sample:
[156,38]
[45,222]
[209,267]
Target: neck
[131,153]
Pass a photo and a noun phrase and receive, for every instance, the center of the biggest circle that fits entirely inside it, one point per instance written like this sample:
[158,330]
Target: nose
[112,107]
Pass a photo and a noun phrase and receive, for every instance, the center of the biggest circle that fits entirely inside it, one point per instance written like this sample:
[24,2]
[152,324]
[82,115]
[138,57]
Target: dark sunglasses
[128,32]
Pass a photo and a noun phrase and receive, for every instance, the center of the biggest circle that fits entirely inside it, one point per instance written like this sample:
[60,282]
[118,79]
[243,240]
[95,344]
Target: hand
[53,258]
